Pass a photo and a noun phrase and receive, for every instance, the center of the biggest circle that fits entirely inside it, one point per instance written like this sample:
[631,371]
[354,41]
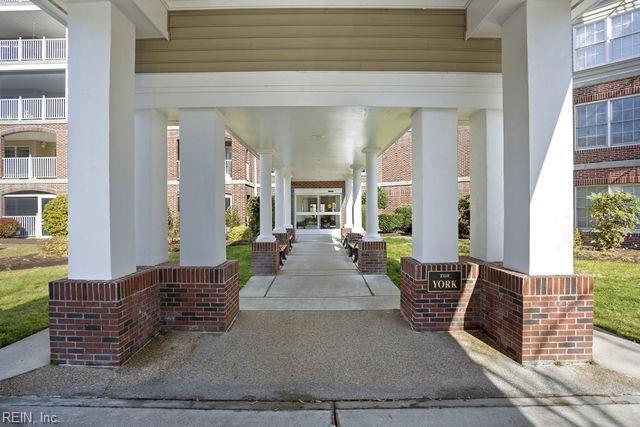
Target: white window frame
[609,118]
[228,196]
[607,42]
[39,231]
[15,151]
[611,188]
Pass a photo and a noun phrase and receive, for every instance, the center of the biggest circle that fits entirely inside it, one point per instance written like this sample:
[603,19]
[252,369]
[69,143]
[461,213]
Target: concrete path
[615,353]
[25,355]
[589,410]
[319,276]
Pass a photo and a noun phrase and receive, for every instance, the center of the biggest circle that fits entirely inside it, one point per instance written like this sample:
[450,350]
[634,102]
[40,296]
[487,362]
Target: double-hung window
[610,123]
[607,40]
[591,125]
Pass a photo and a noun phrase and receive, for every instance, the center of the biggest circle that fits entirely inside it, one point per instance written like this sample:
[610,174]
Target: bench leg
[355,256]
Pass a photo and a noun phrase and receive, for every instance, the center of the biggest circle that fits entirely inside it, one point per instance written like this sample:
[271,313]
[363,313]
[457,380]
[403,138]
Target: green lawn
[617,287]
[23,301]
[240,252]
[18,250]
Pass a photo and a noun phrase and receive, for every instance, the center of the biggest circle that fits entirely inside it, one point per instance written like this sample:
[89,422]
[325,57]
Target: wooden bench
[282,248]
[352,247]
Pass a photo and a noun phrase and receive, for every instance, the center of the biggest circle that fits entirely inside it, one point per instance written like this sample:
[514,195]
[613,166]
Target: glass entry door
[318,210]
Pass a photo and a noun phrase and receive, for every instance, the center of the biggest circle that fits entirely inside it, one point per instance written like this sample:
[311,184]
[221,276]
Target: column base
[200,299]
[372,257]
[104,323]
[532,319]
[265,258]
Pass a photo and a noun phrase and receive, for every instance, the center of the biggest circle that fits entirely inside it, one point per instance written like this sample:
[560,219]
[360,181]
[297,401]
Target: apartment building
[33,123]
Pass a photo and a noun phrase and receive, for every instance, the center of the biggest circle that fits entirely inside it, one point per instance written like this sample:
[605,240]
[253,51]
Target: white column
[348,201]
[150,187]
[202,233]
[372,196]
[287,200]
[487,185]
[279,199]
[538,138]
[357,199]
[266,233]
[434,134]
[100,152]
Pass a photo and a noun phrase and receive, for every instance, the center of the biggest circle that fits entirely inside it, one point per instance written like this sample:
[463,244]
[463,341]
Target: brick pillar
[529,318]
[204,299]
[372,257]
[102,323]
[265,258]
[441,310]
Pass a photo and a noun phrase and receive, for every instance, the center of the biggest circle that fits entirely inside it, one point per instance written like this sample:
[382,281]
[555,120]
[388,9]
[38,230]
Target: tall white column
[357,199]
[202,232]
[348,201]
[279,199]
[487,185]
[434,134]
[150,187]
[287,199]
[100,152]
[538,138]
[372,196]
[266,233]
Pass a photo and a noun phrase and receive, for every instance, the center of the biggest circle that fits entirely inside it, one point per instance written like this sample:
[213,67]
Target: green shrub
[615,216]
[464,217]
[577,242]
[253,216]
[231,217]
[239,232]
[404,213]
[55,217]
[383,199]
[9,227]
[56,246]
[173,228]
[388,223]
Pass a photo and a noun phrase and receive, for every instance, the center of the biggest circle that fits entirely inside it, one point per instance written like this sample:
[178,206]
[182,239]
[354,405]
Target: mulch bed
[620,255]
[30,261]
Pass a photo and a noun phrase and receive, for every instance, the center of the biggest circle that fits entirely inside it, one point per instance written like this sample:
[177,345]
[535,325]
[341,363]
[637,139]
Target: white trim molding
[290,4]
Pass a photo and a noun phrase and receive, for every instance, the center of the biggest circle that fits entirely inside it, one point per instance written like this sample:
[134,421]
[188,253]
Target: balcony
[28,167]
[44,108]
[33,50]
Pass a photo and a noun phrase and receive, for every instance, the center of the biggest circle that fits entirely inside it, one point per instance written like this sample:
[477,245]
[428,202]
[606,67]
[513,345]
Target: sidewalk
[588,410]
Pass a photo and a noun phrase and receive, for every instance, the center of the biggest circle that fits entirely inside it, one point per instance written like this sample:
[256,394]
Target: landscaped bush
[577,242]
[615,216]
[239,232]
[9,227]
[56,245]
[404,213]
[253,216]
[388,223]
[173,228]
[231,217]
[464,217]
[383,199]
[55,217]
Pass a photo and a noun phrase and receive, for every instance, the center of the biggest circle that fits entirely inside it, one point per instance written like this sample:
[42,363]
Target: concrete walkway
[319,276]
[590,410]
[25,355]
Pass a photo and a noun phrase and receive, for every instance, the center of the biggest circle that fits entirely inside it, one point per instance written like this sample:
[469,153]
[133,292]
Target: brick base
[529,318]
[292,232]
[265,258]
[372,257]
[103,323]
[204,299]
[439,311]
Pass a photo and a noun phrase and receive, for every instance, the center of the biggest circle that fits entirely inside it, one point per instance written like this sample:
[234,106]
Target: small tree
[253,215]
[383,199]
[55,216]
[615,216]
[173,228]
[404,213]
[231,217]
[464,217]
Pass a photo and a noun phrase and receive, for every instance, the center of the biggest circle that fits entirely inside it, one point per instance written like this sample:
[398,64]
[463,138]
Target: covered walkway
[319,276]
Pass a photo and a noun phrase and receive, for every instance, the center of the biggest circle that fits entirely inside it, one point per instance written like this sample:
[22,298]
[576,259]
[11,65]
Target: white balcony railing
[28,167]
[28,225]
[33,109]
[44,49]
